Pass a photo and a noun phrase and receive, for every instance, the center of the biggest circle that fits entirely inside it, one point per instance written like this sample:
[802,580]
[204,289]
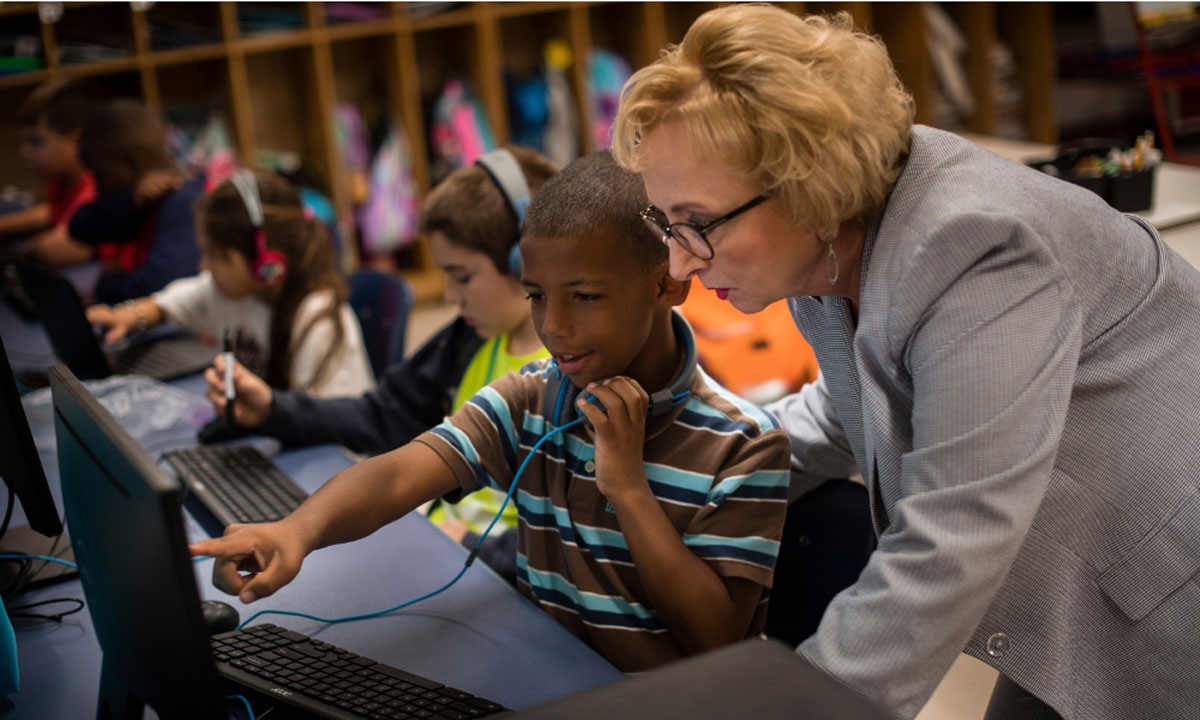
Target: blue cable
[470,558]
[47,558]
[244,702]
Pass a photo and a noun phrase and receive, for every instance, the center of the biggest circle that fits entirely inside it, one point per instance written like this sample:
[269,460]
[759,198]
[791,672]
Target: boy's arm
[702,610]
[23,222]
[411,398]
[54,247]
[351,505]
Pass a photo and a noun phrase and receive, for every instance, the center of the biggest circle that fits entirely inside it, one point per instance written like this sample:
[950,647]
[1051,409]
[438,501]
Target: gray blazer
[1021,394]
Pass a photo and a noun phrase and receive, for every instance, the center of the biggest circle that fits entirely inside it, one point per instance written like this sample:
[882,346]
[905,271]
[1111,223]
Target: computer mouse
[219,616]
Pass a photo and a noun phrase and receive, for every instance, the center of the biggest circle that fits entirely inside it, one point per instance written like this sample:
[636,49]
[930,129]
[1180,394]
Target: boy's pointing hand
[252,561]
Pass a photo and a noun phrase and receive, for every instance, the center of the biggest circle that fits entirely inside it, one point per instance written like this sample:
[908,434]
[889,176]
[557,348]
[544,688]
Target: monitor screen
[127,531]
[19,463]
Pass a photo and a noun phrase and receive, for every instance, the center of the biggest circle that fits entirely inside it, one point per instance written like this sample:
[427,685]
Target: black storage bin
[1132,192]
[1128,192]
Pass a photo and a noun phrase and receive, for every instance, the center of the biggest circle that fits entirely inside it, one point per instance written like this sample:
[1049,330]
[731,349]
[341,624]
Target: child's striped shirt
[718,465]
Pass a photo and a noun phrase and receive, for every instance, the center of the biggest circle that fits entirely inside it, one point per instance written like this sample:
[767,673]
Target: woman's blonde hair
[805,107]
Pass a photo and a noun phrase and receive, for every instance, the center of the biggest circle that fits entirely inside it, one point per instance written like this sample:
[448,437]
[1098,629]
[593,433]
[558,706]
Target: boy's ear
[671,291]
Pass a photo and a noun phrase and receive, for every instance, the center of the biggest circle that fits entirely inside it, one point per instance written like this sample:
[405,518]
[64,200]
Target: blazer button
[589,466]
[998,644]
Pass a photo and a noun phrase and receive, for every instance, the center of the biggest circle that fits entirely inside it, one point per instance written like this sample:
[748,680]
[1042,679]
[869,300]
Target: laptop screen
[61,312]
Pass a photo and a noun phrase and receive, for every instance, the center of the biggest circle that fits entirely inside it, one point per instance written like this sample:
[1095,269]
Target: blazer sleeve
[820,450]
[990,336]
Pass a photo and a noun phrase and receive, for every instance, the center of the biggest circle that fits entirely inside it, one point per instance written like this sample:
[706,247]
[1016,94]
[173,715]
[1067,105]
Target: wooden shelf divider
[310,54]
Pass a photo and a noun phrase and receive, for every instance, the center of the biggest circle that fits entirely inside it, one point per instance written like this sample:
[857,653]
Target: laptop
[162,354]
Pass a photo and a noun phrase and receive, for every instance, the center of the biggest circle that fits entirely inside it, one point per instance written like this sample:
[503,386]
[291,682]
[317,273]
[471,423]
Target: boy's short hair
[65,105]
[125,127]
[594,198]
[469,209]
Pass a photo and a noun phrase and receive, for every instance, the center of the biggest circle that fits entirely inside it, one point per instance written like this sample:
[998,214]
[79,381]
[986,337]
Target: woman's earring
[831,259]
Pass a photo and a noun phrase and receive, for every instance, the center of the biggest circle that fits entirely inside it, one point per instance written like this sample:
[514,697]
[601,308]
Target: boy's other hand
[620,436]
[253,561]
[119,321]
[154,184]
[252,395]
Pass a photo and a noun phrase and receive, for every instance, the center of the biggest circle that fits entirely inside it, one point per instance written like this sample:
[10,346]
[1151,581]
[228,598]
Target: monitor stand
[25,541]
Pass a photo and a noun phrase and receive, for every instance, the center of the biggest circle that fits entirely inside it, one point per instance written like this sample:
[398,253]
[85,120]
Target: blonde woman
[1012,366]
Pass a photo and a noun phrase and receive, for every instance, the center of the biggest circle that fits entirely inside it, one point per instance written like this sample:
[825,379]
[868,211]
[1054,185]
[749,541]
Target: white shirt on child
[194,303]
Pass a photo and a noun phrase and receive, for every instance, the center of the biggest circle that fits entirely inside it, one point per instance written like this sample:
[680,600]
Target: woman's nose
[683,264]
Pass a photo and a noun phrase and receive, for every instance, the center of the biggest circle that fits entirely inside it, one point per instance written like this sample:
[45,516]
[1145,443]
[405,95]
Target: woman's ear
[671,291]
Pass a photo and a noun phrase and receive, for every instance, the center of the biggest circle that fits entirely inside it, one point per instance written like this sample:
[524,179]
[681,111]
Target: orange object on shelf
[760,357]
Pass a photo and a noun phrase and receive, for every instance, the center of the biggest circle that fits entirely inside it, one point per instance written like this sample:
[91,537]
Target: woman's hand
[620,435]
[252,395]
[253,561]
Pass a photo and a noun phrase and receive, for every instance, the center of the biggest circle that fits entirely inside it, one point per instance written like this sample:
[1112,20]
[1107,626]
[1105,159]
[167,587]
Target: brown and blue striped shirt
[718,465]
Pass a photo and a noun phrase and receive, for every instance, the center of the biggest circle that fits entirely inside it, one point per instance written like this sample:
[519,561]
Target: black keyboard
[163,358]
[227,484]
[330,682]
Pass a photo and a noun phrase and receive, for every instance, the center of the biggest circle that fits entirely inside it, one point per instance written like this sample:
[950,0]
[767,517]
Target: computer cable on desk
[470,558]
[245,703]
[18,583]
[14,611]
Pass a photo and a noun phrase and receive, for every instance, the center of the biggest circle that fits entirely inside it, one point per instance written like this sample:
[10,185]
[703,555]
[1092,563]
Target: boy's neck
[660,361]
[523,339]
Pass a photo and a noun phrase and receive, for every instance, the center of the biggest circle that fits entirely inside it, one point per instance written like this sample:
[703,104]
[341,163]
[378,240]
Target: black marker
[230,395]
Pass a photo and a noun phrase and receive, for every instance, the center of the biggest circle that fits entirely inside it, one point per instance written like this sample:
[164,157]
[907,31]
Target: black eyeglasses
[689,236]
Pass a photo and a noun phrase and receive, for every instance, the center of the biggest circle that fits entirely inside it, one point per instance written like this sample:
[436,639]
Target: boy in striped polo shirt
[649,537]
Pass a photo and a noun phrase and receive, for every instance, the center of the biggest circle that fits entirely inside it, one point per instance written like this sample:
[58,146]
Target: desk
[480,635]
[1176,209]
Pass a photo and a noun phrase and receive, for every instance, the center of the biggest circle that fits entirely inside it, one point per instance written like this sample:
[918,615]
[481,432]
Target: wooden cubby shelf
[278,89]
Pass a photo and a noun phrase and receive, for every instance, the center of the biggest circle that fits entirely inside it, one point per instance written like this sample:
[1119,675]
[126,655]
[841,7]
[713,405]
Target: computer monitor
[21,470]
[127,530]
[19,463]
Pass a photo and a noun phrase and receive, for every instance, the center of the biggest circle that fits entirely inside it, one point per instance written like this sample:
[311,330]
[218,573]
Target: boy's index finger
[222,547]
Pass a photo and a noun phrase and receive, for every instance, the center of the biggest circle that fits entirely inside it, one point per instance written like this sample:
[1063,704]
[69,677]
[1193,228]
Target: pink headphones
[270,266]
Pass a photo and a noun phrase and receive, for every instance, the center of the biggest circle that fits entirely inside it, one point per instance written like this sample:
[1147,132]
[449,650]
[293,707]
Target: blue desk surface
[480,635]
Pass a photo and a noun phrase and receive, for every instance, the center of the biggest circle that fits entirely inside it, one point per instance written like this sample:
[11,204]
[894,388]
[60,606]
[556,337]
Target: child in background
[141,223]
[471,230]
[269,282]
[650,537]
[52,120]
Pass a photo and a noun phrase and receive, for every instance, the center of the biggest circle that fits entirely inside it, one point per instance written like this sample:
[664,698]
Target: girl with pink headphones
[268,280]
